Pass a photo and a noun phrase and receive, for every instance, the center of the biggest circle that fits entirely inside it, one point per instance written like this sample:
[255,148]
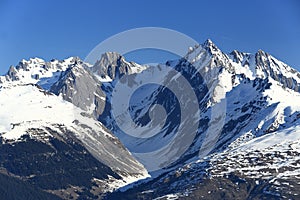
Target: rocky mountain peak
[80,87]
[208,43]
[113,65]
[111,57]
[238,56]
[210,46]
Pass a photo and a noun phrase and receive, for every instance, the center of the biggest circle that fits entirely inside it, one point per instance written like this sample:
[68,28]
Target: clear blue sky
[61,28]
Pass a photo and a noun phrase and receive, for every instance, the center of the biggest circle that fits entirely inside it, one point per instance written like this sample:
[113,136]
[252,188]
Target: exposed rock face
[80,87]
[112,65]
[12,73]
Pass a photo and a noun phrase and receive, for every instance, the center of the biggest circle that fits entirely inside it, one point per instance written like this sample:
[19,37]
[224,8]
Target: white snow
[36,70]
[168,197]
[103,79]
[29,107]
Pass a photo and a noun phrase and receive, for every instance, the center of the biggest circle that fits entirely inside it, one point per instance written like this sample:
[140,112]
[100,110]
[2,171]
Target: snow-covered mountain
[52,144]
[257,144]
[245,145]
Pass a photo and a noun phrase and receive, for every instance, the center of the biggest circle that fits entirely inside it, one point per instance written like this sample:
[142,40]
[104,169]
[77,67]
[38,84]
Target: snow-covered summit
[210,61]
[36,70]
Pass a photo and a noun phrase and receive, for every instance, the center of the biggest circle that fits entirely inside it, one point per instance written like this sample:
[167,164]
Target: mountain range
[60,137]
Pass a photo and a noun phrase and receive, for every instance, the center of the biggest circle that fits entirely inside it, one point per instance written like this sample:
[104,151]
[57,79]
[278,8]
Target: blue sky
[59,29]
